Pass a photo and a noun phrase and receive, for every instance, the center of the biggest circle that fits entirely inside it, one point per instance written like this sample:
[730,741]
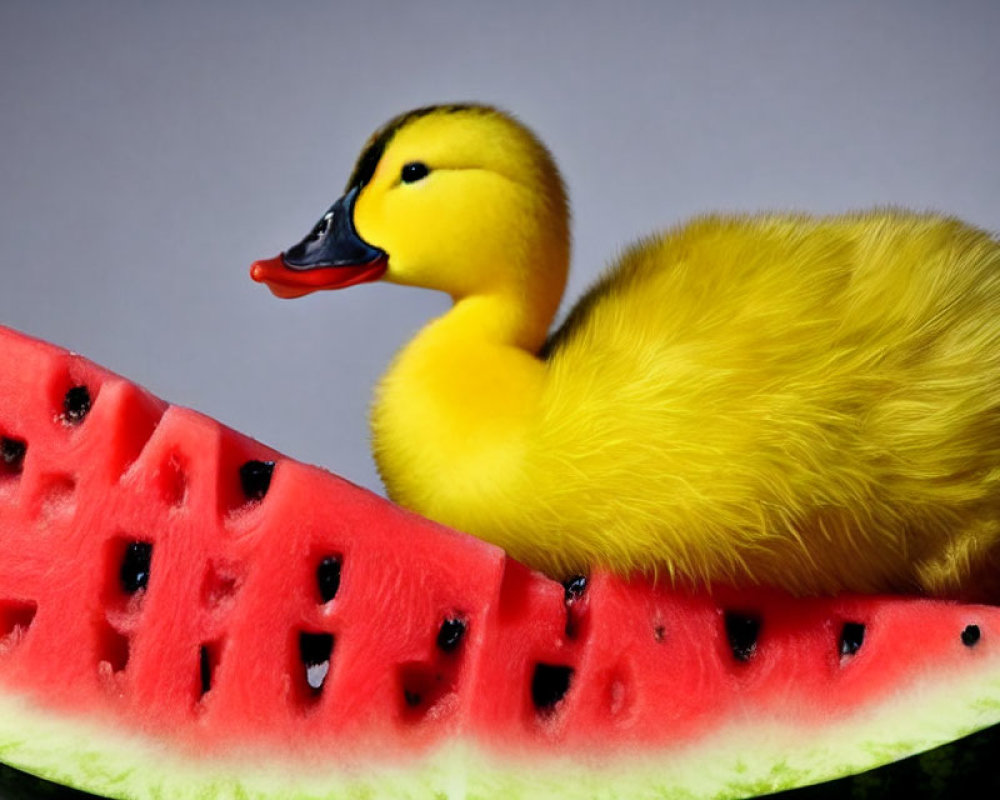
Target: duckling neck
[451,413]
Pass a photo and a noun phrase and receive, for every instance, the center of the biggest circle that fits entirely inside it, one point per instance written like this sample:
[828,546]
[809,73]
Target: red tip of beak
[270,271]
[258,271]
[285,282]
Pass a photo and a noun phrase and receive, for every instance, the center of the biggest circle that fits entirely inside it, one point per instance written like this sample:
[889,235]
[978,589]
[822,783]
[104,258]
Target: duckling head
[459,198]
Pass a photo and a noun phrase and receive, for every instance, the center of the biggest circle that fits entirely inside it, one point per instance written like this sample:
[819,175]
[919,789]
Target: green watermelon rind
[754,756]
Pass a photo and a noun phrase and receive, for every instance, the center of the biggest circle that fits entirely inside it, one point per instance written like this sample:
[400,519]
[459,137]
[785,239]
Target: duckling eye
[414,171]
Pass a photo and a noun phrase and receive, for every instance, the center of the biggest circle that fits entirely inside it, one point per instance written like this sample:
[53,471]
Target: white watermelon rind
[753,755]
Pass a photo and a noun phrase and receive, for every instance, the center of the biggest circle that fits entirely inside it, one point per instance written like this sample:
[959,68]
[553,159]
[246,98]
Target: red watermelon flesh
[186,613]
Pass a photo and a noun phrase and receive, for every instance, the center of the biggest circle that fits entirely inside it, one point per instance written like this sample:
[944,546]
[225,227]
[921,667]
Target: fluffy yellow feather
[812,403]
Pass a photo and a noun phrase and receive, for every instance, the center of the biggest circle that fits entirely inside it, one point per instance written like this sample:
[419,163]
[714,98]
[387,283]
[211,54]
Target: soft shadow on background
[149,153]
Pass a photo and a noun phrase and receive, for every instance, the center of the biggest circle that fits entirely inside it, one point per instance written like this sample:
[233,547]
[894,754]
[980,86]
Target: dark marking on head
[367,162]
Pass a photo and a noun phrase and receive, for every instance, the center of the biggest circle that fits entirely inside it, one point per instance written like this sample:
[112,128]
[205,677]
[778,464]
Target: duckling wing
[784,396]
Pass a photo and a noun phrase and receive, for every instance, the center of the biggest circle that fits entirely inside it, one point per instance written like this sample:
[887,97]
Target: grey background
[149,153]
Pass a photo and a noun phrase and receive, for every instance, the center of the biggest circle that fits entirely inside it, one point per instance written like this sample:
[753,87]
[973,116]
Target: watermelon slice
[185,613]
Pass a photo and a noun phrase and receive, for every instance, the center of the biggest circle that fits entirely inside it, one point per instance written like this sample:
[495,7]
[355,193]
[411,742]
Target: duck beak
[331,256]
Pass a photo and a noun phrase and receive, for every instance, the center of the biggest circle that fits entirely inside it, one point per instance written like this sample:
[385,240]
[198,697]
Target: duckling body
[811,403]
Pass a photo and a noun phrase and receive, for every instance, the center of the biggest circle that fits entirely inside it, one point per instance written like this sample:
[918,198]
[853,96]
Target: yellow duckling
[812,403]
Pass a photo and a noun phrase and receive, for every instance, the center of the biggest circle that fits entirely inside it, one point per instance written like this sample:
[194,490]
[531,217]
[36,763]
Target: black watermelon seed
[12,454]
[328,578]
[134,573]
[205,669]
[549,685]
[971,635]
[852,636]
[413,699]
[255,478]
[315,650]
[574,587]
[450,635]
[76,404]
[742,632]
